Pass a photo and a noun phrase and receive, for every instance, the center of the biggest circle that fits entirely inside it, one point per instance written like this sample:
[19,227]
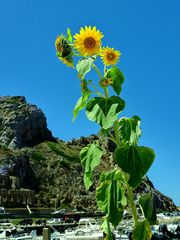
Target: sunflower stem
[106,92]
[98,72]
[104,69]
[101,78]
[132,204]
[96,90]
[116,126]
[129,188]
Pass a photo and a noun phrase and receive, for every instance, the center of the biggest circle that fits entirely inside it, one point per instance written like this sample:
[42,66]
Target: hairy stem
[116,133]
[129,189]
[132,204]
[106,92]
[96,90]
[98,71]
[101,78]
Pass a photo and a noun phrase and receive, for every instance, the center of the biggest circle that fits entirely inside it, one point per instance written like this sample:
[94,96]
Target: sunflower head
[62,46]
[88,41]
[64,51]
[110,56]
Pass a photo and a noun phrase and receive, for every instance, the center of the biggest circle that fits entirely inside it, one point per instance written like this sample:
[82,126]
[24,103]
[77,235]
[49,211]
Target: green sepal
[84,66]
[134,160]
[148,205]
[104,111]
[90,158]
[69,35]
[117,77]
[142,231]
[81,103]
[129,130]
[110,196]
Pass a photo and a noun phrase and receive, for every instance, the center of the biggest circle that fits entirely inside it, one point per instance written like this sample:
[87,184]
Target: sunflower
[64,51]
[109,56]
[88,41]
[62,46]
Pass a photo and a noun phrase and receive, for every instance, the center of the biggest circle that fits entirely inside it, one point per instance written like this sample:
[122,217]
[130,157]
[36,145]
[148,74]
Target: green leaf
[90,158]
[129,130]
[142,231]
[84,66]
[104,111]
[106,229]
[69,35]
[147,203]
[81,103]
[135,161]
[117,77]
[111,175]
[110,196]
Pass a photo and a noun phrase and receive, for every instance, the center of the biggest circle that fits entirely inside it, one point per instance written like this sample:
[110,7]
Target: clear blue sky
[148,35]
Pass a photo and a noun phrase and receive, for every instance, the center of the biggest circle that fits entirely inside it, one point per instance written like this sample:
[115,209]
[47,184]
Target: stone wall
[9,182]
[11,195]
[16,197]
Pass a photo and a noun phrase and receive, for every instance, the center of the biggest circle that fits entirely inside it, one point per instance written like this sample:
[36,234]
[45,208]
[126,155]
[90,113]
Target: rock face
[21,124]
[37,169]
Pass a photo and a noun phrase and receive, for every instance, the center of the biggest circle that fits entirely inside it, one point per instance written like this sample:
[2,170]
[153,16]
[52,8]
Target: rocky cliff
[21,124]
[48,167]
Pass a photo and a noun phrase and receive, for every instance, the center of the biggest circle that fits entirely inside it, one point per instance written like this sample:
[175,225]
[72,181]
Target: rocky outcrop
[162,201]
[21,124]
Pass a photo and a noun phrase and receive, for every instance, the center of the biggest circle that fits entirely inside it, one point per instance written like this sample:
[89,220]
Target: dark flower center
[89,42]
[110,56]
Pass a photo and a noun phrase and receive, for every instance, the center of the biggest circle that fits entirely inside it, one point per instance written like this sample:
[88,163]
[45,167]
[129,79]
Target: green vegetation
[56,153]
[38,156]
[62,149]
[4,151]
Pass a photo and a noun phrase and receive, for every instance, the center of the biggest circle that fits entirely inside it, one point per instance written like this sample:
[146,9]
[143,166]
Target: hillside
[40,170]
